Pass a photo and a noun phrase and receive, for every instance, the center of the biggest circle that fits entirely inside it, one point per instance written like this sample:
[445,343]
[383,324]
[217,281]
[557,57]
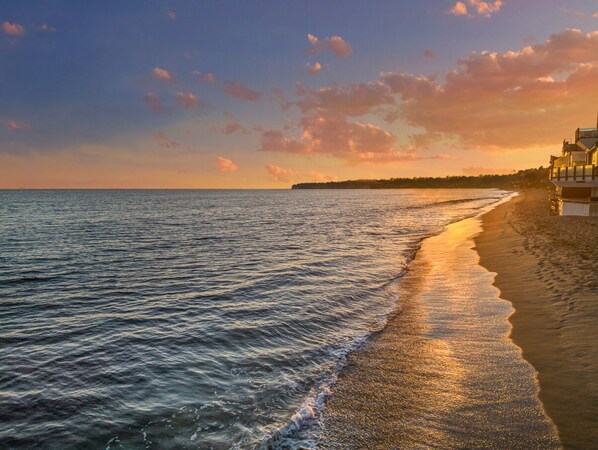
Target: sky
[267,93]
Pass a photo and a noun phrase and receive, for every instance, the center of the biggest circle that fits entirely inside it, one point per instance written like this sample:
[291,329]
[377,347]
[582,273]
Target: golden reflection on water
[443,373]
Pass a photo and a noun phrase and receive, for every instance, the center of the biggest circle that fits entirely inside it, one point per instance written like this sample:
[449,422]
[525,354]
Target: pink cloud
[353,100]
[206,76]
[186,100]
[339,47]
[429,53]
[329,133]
[595,15]
[313,69]
[315,45]
[238,90]
[171,15]
[166,141]
[280,174]
[18,126]
[336,44]
[153,102]
[233,126]
[225,164]
[163,74]
[510,99]
[459,9]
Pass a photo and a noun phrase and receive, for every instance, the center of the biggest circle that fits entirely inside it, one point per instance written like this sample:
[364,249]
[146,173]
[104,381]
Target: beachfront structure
[574,175]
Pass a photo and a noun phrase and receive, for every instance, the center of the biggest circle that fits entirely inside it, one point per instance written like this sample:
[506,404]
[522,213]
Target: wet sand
[547,267]
[443,372]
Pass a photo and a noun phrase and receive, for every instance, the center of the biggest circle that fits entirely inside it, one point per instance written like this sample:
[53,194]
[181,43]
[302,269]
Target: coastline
[546,267]
[443,371]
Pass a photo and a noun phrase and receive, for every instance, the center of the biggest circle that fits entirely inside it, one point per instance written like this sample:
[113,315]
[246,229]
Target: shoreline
[546,268]
[443,371]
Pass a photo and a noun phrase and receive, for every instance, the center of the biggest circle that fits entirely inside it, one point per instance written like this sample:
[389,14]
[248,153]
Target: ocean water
[196,319]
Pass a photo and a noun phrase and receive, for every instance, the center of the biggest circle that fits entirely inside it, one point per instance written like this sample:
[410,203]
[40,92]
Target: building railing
[574,173]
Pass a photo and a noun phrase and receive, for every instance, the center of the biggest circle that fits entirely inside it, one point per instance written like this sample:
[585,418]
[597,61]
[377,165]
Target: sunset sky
[263,94]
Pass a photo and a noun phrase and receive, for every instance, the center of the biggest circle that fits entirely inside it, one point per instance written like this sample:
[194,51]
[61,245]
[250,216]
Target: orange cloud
[336,44]
[486,8]
[186,100]
[237,89]
[153,102]
[280,174]
[313,69]
[13,29]
[163,74]
[429,53]
[225,164]
[320,177]
[473,171]
[515,99]
[460,9]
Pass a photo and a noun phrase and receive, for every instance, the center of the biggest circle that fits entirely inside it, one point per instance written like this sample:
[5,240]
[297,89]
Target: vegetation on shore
[524,179]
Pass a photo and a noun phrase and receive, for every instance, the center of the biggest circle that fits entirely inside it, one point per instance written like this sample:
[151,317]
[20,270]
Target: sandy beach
[546,267]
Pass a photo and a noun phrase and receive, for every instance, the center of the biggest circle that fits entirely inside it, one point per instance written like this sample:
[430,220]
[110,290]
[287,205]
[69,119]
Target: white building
[575,174]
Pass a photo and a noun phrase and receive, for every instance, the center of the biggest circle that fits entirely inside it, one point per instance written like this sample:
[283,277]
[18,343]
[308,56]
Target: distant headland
[524,179]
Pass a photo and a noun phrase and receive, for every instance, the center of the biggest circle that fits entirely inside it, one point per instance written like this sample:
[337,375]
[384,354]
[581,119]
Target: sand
[547,267]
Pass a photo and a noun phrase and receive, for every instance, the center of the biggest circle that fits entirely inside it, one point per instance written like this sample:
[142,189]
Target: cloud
[163,74]
[153,102]
[320,177]
[429,53]
[166,141]
[237,89]
[186,100]
[233,126]
[315,45]
[313,69]
[352,100]
[18,126]
[486,8]
[480,7]
[474,171]
[339,47]
[13,29]
[206,76]
[47,28]
[595,15]
[460,9]
[330,133]
[280,174]
[514,99]
[225,164]
[171,15]
[336,44]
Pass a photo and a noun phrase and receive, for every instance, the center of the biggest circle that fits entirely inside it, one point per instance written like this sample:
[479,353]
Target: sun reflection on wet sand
[443,373]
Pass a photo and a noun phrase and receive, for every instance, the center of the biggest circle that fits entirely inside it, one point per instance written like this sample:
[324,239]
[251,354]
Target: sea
[200,319]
